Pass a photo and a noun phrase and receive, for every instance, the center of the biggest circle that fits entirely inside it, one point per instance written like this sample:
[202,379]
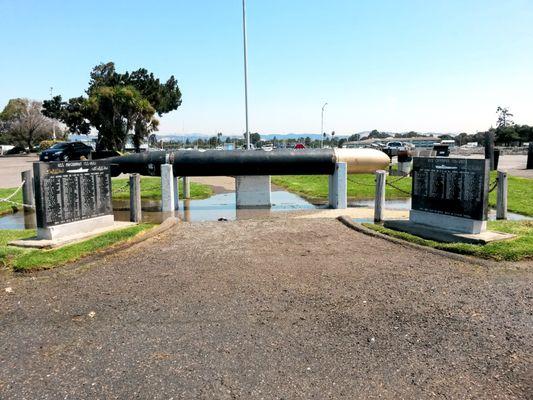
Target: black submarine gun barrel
[243,162]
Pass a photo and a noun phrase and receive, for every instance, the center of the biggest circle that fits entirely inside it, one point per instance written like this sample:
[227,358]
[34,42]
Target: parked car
[392,148]
[65,151]
[4,148]
[16,150]
[299,146]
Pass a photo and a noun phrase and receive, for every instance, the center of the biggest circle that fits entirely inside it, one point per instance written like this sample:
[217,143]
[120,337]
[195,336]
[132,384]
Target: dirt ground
[268,309]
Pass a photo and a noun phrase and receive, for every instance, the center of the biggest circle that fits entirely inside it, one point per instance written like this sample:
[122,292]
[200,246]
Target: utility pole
[245,73]
[322,126]
[53,121]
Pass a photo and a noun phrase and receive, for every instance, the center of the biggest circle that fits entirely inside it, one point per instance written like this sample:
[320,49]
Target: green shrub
[46,144]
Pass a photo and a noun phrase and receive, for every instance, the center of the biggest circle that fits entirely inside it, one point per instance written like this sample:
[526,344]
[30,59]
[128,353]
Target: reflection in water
[220,206]
[18,220]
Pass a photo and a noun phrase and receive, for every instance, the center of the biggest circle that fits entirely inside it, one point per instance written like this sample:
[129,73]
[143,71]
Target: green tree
[506,135]
[117,105]
[504,117]
[254,137]
[213,141]
[375,134]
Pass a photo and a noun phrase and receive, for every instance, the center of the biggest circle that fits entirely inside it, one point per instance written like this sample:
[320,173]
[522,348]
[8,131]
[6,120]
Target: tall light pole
[322,126]
[245,73]
[53,121]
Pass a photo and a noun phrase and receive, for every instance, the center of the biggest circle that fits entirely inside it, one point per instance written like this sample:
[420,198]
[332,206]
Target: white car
[4,148]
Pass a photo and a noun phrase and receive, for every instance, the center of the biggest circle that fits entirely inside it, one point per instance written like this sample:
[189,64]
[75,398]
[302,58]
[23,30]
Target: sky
[399,65]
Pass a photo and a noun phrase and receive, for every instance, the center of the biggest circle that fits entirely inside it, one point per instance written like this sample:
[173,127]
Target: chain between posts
[494,185]
[391,184]
[122,188]
[16,203]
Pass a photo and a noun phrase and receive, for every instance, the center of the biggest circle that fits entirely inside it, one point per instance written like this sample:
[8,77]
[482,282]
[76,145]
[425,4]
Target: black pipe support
[228,163]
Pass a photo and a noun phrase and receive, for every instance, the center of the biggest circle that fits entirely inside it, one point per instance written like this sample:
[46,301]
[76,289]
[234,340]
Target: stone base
[439,235]
[447,222]
[85,226]
[58,242]
[253,191]
[404,168]
[338,187]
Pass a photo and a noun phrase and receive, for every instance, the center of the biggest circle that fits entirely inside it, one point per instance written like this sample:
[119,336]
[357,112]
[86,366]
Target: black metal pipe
[228,163]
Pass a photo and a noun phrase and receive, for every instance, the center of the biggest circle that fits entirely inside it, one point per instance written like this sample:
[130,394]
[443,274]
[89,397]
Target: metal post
[135,198]
[186,187]
[501,198]
[381,179]
[322,126]
[489,148]
[167,188]
[176,193]
[245,73]
[27,190]
[530,157]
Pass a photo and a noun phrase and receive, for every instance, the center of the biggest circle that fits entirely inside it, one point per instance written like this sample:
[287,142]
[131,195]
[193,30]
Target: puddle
[221,206]
[210,209]
[400,204]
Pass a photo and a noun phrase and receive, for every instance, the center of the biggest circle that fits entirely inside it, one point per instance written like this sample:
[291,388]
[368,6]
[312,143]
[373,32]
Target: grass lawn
[6,208]
[519,195]
[509,250]
[360,186]
[151,189]
[315,187]
[19,259]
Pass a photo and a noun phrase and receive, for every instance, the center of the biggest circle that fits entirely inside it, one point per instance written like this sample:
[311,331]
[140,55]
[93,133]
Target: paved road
[11,167]
[268,309]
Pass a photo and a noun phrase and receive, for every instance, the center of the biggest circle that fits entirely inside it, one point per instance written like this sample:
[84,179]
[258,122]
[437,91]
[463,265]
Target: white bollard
[167,188]
[501,198]
[338,186]
[379,206]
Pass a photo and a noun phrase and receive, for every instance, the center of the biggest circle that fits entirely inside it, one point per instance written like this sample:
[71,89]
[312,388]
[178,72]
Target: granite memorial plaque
[71,191]
[457,187]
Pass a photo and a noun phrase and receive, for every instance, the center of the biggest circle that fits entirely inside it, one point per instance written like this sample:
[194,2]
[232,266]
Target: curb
[356,226]
[89,259]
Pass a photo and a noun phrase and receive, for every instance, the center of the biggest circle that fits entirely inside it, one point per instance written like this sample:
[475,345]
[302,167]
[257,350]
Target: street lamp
[53,121]
[322,127]
[245,73]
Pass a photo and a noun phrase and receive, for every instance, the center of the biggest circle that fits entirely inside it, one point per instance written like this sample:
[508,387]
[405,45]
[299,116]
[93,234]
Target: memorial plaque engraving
[457,187]
[71,191]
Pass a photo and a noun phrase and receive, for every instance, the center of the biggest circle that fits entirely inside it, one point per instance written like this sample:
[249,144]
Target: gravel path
[268,309]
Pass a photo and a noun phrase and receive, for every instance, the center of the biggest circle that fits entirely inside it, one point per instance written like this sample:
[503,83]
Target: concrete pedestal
[447,222]
[76,228]
[167,188]
[253,191]
[338,187]
[404,168]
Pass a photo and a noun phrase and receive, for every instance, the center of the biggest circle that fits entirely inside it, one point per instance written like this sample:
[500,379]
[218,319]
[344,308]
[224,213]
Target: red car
[299,146]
